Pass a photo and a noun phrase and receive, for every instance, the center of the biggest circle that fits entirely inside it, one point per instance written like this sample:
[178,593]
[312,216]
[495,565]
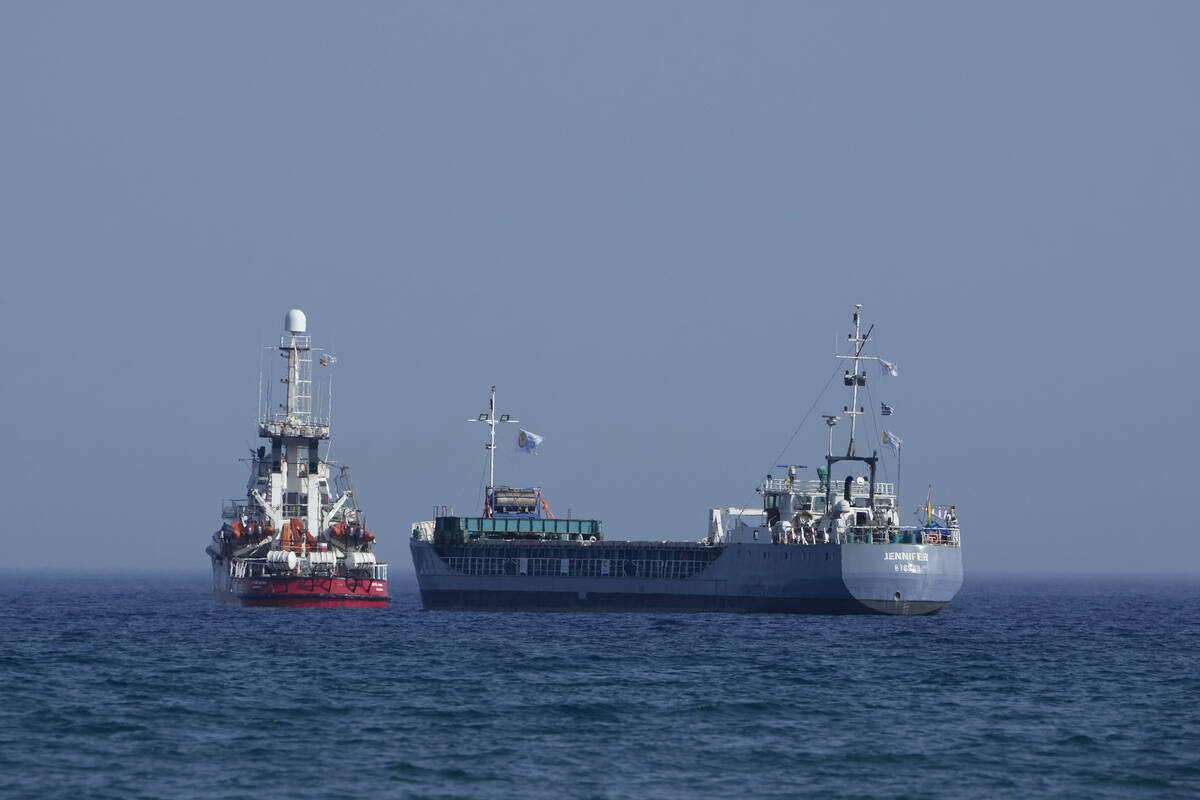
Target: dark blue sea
[137,686]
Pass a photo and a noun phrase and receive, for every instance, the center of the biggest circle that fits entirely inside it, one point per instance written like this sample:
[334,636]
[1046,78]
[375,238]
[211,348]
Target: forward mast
[490,420]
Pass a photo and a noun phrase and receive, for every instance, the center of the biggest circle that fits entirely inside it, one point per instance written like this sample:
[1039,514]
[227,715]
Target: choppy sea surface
[137,686]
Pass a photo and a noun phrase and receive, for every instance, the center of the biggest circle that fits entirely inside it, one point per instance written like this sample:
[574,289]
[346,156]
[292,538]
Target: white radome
[295,321]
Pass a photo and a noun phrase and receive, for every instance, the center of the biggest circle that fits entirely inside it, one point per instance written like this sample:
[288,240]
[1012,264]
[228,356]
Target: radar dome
[295,321]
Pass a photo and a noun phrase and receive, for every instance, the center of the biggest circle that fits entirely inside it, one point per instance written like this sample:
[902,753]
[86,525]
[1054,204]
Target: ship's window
[819,504]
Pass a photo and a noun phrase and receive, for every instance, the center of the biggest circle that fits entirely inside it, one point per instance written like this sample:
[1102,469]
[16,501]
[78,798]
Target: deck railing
[247,568]
[938,536]
[882,488]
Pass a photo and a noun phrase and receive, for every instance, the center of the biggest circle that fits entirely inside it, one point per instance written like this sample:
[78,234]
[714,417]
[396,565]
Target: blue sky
[646,223]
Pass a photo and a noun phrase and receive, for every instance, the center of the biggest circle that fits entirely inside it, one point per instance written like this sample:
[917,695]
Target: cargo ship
[298,537]
[831,545]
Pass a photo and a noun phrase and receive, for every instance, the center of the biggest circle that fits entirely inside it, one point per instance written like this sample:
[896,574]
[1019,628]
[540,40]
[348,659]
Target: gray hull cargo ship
[825,546]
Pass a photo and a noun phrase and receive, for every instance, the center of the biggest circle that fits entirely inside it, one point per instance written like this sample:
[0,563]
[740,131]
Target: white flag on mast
[528,441]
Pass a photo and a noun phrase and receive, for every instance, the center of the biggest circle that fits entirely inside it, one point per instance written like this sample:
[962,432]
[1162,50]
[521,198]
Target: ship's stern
[908,579]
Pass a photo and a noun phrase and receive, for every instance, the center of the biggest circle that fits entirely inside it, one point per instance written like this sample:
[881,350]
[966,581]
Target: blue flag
[887,410]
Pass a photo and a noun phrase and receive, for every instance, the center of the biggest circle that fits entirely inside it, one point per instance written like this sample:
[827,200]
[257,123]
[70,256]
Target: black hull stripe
[465,600]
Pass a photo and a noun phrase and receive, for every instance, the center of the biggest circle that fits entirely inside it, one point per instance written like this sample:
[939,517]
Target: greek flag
[527,441]
[888,368]
[892,441]
[886,410]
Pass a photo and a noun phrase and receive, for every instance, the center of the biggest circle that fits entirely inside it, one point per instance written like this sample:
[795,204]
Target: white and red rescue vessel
[298,537]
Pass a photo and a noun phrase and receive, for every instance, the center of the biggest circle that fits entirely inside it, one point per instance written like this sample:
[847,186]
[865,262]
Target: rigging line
[332,349]
[863,343]
[482,473]
[329,414]
[871,402]
[875,425]
[803,419]
[261,352]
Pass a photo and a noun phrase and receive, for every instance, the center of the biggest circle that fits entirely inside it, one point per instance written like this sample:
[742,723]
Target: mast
[490,446]
[295,434]
[295,346]
[854,378]
[831,420]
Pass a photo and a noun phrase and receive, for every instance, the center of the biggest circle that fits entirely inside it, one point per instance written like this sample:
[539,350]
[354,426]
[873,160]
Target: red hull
[296,592]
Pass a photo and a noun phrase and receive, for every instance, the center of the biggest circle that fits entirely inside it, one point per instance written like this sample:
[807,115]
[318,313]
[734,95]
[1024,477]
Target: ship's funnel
[295,321]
